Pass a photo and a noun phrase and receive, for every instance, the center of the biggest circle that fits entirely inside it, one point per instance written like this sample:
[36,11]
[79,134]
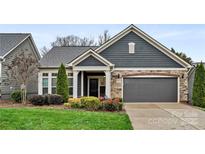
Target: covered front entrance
[91,75]
[91,83]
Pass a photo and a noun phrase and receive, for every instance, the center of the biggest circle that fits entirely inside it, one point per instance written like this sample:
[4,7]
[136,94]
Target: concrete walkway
[175,116]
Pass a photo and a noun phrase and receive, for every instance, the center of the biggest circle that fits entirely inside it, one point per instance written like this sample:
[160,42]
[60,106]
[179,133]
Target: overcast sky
[186,38]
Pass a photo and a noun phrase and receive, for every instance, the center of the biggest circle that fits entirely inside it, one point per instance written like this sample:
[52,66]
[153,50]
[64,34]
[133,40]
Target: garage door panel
[150,90]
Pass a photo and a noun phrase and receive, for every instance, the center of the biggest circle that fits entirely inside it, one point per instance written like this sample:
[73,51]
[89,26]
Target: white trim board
[146,68]
[147,38]
[91,68]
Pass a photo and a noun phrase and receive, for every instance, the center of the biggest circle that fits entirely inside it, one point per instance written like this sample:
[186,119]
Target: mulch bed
[11,104]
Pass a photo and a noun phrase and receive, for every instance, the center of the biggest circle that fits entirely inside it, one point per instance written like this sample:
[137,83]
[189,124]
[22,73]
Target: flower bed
[94,104]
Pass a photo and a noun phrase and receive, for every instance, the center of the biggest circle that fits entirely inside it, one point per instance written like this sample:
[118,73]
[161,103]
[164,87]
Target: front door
[93,91]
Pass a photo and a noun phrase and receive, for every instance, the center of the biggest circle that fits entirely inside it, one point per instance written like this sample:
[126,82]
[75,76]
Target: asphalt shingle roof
[10,40]
[58,55]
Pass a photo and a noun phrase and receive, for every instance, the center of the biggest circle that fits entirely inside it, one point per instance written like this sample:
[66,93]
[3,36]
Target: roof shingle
[58,55]
[10,40]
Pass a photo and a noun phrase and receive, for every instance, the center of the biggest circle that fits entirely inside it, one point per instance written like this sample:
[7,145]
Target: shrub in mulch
[40,100]
[16,96]
[96,104]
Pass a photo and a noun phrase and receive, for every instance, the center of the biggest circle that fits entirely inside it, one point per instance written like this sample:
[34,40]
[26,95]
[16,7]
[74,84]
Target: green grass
[53,119]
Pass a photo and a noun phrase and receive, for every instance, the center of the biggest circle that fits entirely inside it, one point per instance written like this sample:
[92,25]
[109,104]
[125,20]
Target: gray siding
[91,61]
[6,86]
[145,54]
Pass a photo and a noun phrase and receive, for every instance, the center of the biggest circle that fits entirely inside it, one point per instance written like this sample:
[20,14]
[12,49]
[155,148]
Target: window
[54,74]
[45,74]
[45,85]
[53,85]
[70,84]
[131,47]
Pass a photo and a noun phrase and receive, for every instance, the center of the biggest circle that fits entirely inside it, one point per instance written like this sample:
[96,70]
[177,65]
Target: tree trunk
[23,93]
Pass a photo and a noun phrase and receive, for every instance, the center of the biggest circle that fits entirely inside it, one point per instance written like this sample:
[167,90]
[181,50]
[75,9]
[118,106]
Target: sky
[189,39]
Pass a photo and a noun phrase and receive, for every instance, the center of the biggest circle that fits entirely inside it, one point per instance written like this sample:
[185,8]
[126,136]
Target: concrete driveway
[175,116]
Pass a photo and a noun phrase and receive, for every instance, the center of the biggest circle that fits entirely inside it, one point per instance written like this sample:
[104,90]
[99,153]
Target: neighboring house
[12,44]
[191,80]
[131,65]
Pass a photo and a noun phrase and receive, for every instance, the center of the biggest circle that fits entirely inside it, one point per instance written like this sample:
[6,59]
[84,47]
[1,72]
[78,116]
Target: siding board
[145,54]
[6,86]
[91,61]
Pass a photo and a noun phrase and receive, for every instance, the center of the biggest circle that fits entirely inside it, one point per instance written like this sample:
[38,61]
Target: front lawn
[53,119]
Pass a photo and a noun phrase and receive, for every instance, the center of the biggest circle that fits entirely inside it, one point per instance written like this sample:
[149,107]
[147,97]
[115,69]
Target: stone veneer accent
[116,81]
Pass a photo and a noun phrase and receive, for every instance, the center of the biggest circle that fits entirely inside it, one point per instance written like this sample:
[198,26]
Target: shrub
[75,105]
[55,99]
[75,102]
[62,83]
[38,100]
[16,96]
[112,105]
[199,86]
[90,103]
[67,105]
[46,100]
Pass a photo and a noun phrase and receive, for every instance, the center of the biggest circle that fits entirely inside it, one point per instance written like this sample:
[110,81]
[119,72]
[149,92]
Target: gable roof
[86,54]
[58,55]
[147,38]
[9,41]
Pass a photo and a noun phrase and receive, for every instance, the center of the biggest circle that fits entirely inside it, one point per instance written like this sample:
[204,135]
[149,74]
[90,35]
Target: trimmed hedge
[94,103]
[46,100]
[112,105]
[16,96]
[90,103]
[38,100]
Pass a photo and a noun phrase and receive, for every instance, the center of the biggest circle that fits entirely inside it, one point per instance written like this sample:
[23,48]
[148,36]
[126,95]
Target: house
[131,65]
[12,44]
[191,80]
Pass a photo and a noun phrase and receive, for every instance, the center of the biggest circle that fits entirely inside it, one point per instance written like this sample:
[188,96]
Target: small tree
[21,70]
[199,86]
[62,83]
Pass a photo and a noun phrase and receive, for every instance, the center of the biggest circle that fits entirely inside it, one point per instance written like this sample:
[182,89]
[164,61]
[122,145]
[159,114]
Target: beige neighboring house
[131,65]
[12,44]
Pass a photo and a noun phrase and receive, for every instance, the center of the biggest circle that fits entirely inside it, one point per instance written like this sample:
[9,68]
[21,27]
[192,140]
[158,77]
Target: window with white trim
[70,84]
[45,83]
[53,82]
[131,47]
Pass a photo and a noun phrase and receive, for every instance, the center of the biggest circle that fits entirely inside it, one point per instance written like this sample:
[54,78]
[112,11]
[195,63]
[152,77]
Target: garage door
[150,89]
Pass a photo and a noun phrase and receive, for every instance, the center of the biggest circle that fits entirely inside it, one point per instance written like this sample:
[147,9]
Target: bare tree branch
[21,69]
